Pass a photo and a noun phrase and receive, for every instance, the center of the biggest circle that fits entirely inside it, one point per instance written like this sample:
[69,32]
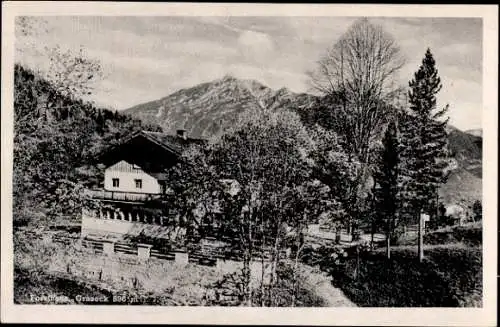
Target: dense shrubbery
[450,276]
[471,235]
[326,257]
[289,294]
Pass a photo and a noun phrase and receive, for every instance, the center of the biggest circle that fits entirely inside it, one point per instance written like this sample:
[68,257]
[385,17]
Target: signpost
[423,218]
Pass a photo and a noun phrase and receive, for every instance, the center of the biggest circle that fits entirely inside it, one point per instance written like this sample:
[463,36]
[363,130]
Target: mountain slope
[463,187]
[475,132]
[205,109]
[465,144]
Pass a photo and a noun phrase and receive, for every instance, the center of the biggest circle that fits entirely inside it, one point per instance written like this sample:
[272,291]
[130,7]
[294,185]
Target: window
[116,182]
[138,183]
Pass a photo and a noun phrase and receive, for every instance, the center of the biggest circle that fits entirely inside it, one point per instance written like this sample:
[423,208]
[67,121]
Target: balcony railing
[122,196]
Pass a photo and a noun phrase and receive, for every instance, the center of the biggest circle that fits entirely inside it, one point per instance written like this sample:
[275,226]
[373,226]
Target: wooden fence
[125,248]
[162,255]
[200,253]
[97,246]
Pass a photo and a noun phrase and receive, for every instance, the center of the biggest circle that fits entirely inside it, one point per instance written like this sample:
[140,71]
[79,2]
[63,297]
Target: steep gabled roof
[173,142]
[160,146]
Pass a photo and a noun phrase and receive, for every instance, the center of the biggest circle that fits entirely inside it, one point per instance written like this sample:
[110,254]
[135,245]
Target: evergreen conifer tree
[386,177]
[424,138]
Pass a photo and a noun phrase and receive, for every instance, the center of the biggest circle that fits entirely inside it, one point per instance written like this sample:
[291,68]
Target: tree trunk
[388,240]
[372,236]
[357,263]
[249,256]
[295,273]
[246,278]
[262,285]
[294,287]
[275,259]
[420,237]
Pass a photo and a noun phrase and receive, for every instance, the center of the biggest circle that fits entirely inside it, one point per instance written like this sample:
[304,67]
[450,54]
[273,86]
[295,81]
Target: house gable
[142,150]
[126,177]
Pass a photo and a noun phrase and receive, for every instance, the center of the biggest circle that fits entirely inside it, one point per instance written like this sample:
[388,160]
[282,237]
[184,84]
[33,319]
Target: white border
[306,316]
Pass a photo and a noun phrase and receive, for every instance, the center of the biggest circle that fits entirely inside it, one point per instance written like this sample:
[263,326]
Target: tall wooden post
[437,208]
[357,262]
[388,239]
[420,237]
[388,245]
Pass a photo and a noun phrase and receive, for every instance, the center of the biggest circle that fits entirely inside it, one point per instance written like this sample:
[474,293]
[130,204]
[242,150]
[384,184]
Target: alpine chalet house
[134,178]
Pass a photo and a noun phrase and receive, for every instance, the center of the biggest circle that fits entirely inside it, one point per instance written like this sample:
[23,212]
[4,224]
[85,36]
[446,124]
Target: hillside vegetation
[470,234]
[450,276]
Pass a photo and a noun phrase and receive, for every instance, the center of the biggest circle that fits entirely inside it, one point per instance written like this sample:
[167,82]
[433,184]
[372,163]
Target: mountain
[466,149]
[464,185]
[475,132]
[206,109]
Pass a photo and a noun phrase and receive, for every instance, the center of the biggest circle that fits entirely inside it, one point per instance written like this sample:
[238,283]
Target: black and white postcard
[249,163]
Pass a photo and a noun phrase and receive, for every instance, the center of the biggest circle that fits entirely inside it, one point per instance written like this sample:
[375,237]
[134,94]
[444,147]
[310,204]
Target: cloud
[255,45]
[321,30]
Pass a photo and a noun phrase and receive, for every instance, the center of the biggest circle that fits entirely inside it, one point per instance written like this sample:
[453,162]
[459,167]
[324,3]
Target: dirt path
[320,283]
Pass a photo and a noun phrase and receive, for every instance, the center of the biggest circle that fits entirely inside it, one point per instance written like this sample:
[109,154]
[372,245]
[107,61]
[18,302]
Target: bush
[328,258]
[450,276]
[471,235]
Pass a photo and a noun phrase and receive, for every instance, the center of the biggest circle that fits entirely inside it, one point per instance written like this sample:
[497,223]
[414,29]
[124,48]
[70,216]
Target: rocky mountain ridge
[205,109]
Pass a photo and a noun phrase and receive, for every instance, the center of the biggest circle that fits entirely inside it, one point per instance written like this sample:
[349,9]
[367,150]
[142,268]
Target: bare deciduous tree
[358,71]
[73,74]
[357,78]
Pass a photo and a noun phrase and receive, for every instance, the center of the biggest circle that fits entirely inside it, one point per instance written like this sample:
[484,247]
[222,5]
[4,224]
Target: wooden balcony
[101,194]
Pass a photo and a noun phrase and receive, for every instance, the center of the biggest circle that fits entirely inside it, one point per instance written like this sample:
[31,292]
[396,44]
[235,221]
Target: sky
[147,58]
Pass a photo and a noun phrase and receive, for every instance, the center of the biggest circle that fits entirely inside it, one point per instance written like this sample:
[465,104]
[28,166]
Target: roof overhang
[141,149]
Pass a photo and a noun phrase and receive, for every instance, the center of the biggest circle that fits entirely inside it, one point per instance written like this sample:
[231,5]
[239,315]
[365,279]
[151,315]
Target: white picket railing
[122,196]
